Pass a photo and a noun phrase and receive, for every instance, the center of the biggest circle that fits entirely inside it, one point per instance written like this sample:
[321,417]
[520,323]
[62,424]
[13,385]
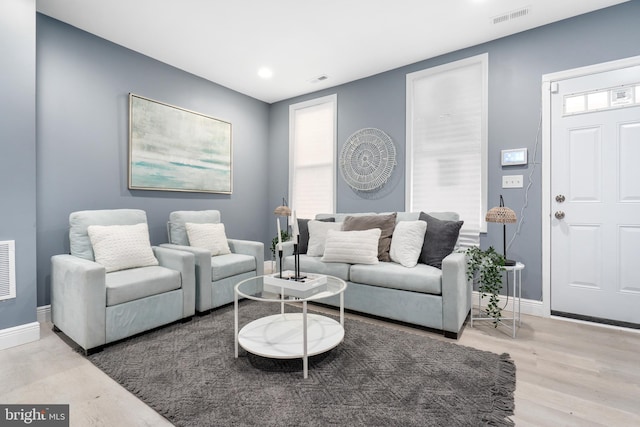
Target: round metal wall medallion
[367,159]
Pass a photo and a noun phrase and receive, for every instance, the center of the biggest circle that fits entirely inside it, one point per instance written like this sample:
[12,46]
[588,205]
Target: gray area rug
[377,377]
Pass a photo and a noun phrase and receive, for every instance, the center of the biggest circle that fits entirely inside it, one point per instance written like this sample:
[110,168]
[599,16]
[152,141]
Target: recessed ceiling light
[265,73]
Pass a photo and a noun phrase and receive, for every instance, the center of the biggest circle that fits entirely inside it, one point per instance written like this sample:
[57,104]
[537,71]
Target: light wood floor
[568,374]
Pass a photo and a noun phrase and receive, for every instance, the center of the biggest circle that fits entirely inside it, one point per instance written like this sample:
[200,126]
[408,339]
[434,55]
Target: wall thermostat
[517,156]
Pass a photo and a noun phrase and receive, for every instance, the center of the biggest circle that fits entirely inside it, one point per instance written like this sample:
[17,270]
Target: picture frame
[174,149]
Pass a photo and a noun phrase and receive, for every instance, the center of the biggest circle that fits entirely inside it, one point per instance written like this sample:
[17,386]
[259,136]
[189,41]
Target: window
[604,99]
[312,153]
[447,142]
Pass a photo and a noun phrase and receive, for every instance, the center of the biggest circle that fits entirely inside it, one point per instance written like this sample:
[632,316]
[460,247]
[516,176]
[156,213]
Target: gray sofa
[423,295]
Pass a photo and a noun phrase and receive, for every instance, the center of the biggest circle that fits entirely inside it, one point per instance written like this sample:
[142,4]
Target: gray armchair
[216,276]
[93,305]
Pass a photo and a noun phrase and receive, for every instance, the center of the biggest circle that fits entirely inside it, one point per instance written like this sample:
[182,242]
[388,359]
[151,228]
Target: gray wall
[17,148]
[82,145]
[82,84]
[516,66]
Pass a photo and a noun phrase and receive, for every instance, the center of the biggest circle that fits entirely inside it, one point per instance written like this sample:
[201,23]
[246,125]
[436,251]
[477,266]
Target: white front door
[595,196]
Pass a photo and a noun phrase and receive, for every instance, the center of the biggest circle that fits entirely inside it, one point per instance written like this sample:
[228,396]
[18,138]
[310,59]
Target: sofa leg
[94,350]
[452,335]
[55,329]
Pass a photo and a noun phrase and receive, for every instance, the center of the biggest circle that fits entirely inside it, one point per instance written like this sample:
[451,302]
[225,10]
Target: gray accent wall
[64,133]
[516,66]
[82,146]
[17,153]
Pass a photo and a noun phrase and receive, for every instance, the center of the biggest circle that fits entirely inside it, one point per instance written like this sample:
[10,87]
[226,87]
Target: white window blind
[447,142]
[312,147]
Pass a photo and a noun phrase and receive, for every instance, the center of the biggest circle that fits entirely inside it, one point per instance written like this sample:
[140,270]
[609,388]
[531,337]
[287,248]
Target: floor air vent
[7,269]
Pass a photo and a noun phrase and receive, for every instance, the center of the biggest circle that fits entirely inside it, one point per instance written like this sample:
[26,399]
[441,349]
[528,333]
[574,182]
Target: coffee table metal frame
[289,335]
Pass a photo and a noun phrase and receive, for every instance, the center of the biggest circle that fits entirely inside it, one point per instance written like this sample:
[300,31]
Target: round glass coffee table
[288,335]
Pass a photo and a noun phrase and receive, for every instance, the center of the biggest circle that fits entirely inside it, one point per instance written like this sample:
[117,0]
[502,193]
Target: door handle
[560,198]
[559,214]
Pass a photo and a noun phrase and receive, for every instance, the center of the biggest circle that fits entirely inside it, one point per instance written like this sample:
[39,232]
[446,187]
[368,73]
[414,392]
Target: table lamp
[503,215]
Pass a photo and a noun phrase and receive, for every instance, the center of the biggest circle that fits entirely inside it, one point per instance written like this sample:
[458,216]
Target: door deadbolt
[559,214]
[560,198]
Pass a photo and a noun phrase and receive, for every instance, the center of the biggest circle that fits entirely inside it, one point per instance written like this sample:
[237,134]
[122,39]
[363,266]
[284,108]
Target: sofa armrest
[183,262]
[287,250]
[456,293]
[79,299]
[251,248]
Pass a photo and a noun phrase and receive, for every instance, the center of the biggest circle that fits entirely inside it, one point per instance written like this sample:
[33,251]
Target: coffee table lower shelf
[290,335]
[280,336]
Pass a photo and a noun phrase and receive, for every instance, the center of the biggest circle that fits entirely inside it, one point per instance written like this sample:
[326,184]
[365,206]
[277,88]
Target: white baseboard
[44,313]
[527,306]
[19,335]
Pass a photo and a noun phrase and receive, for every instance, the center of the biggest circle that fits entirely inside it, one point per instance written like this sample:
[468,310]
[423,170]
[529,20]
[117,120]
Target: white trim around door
[549,81]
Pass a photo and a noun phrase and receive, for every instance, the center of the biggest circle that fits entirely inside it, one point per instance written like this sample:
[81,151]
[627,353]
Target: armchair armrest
[184,262]
[251,248]
[456,293]
[202,259]
[79,299]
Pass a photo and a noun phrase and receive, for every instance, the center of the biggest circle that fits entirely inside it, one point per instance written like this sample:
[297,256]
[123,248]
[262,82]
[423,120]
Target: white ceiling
[299,40]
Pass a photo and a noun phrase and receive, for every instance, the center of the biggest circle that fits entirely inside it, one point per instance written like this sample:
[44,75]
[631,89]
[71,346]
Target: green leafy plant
[284,236]
[487,266]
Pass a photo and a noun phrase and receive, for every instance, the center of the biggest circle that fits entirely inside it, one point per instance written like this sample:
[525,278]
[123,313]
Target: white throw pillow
[352,247]
[407,241]
[208,236]
[318,234]
[119,247]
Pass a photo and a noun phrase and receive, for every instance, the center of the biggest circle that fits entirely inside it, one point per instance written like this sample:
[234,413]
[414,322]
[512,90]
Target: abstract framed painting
[173,149]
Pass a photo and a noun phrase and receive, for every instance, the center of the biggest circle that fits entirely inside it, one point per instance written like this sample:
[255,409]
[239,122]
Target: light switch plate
[512,181]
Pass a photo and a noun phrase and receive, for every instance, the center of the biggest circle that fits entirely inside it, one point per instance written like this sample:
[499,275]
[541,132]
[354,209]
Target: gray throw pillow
[439,240]
[303,229]
[386,223]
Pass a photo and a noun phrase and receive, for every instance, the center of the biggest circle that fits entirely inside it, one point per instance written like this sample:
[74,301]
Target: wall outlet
[512,181]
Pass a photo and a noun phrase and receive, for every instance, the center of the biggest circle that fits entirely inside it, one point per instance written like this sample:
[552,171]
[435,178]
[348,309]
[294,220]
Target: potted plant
[284,237]
[487,266]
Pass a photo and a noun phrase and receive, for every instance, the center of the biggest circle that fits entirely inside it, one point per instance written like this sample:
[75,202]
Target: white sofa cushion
[208,236]
[318,234]
[407,241]
[352,247]
[386,224]
[79,221]
[177,220]
[119,247]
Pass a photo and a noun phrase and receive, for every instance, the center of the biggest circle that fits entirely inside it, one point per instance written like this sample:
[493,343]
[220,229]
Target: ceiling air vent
[319,79]
[514,14]
[501,18]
